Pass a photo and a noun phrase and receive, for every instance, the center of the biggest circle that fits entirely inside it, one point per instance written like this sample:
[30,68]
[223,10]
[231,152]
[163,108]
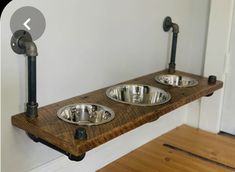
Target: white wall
[228,117]
[216,60]
[88,45]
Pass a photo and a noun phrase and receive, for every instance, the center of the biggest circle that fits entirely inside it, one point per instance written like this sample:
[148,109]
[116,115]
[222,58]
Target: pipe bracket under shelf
[70,156]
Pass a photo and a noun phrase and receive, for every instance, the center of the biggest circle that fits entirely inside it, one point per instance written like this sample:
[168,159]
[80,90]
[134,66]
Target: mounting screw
[80,134]
[212,79]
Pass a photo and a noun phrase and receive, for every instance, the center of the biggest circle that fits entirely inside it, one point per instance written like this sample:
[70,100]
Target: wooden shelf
[61,134]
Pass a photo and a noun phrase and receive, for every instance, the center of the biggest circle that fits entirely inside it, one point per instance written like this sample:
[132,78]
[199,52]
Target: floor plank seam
[198,156]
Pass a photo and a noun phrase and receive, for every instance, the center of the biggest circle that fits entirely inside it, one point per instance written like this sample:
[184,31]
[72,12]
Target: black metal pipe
[173,53]
[32,88]
[167,25]
[32,79]
[22,43]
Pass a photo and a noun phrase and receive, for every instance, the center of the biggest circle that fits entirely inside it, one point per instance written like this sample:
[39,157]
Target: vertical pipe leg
[32,102]
[22,43]
[173,53]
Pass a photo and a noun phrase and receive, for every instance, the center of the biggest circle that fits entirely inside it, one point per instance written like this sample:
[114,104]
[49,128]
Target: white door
[228,111]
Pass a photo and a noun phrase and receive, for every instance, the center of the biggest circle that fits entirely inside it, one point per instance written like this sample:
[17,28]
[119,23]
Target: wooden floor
[183,149]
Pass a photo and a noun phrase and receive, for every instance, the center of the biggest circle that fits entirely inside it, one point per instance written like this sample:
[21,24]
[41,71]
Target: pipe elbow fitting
[175,28]
[30,49]
[22,43]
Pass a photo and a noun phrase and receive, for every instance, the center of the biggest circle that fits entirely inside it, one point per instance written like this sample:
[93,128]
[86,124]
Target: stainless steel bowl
[86,114]
[137,94]
[176,80]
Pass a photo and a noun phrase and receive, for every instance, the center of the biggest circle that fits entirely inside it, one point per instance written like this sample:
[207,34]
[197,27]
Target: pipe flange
[167,24]
[17,36]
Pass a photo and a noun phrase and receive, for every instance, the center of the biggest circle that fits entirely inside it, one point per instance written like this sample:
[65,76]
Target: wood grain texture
[154,157]
[61,134]
[212,146]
